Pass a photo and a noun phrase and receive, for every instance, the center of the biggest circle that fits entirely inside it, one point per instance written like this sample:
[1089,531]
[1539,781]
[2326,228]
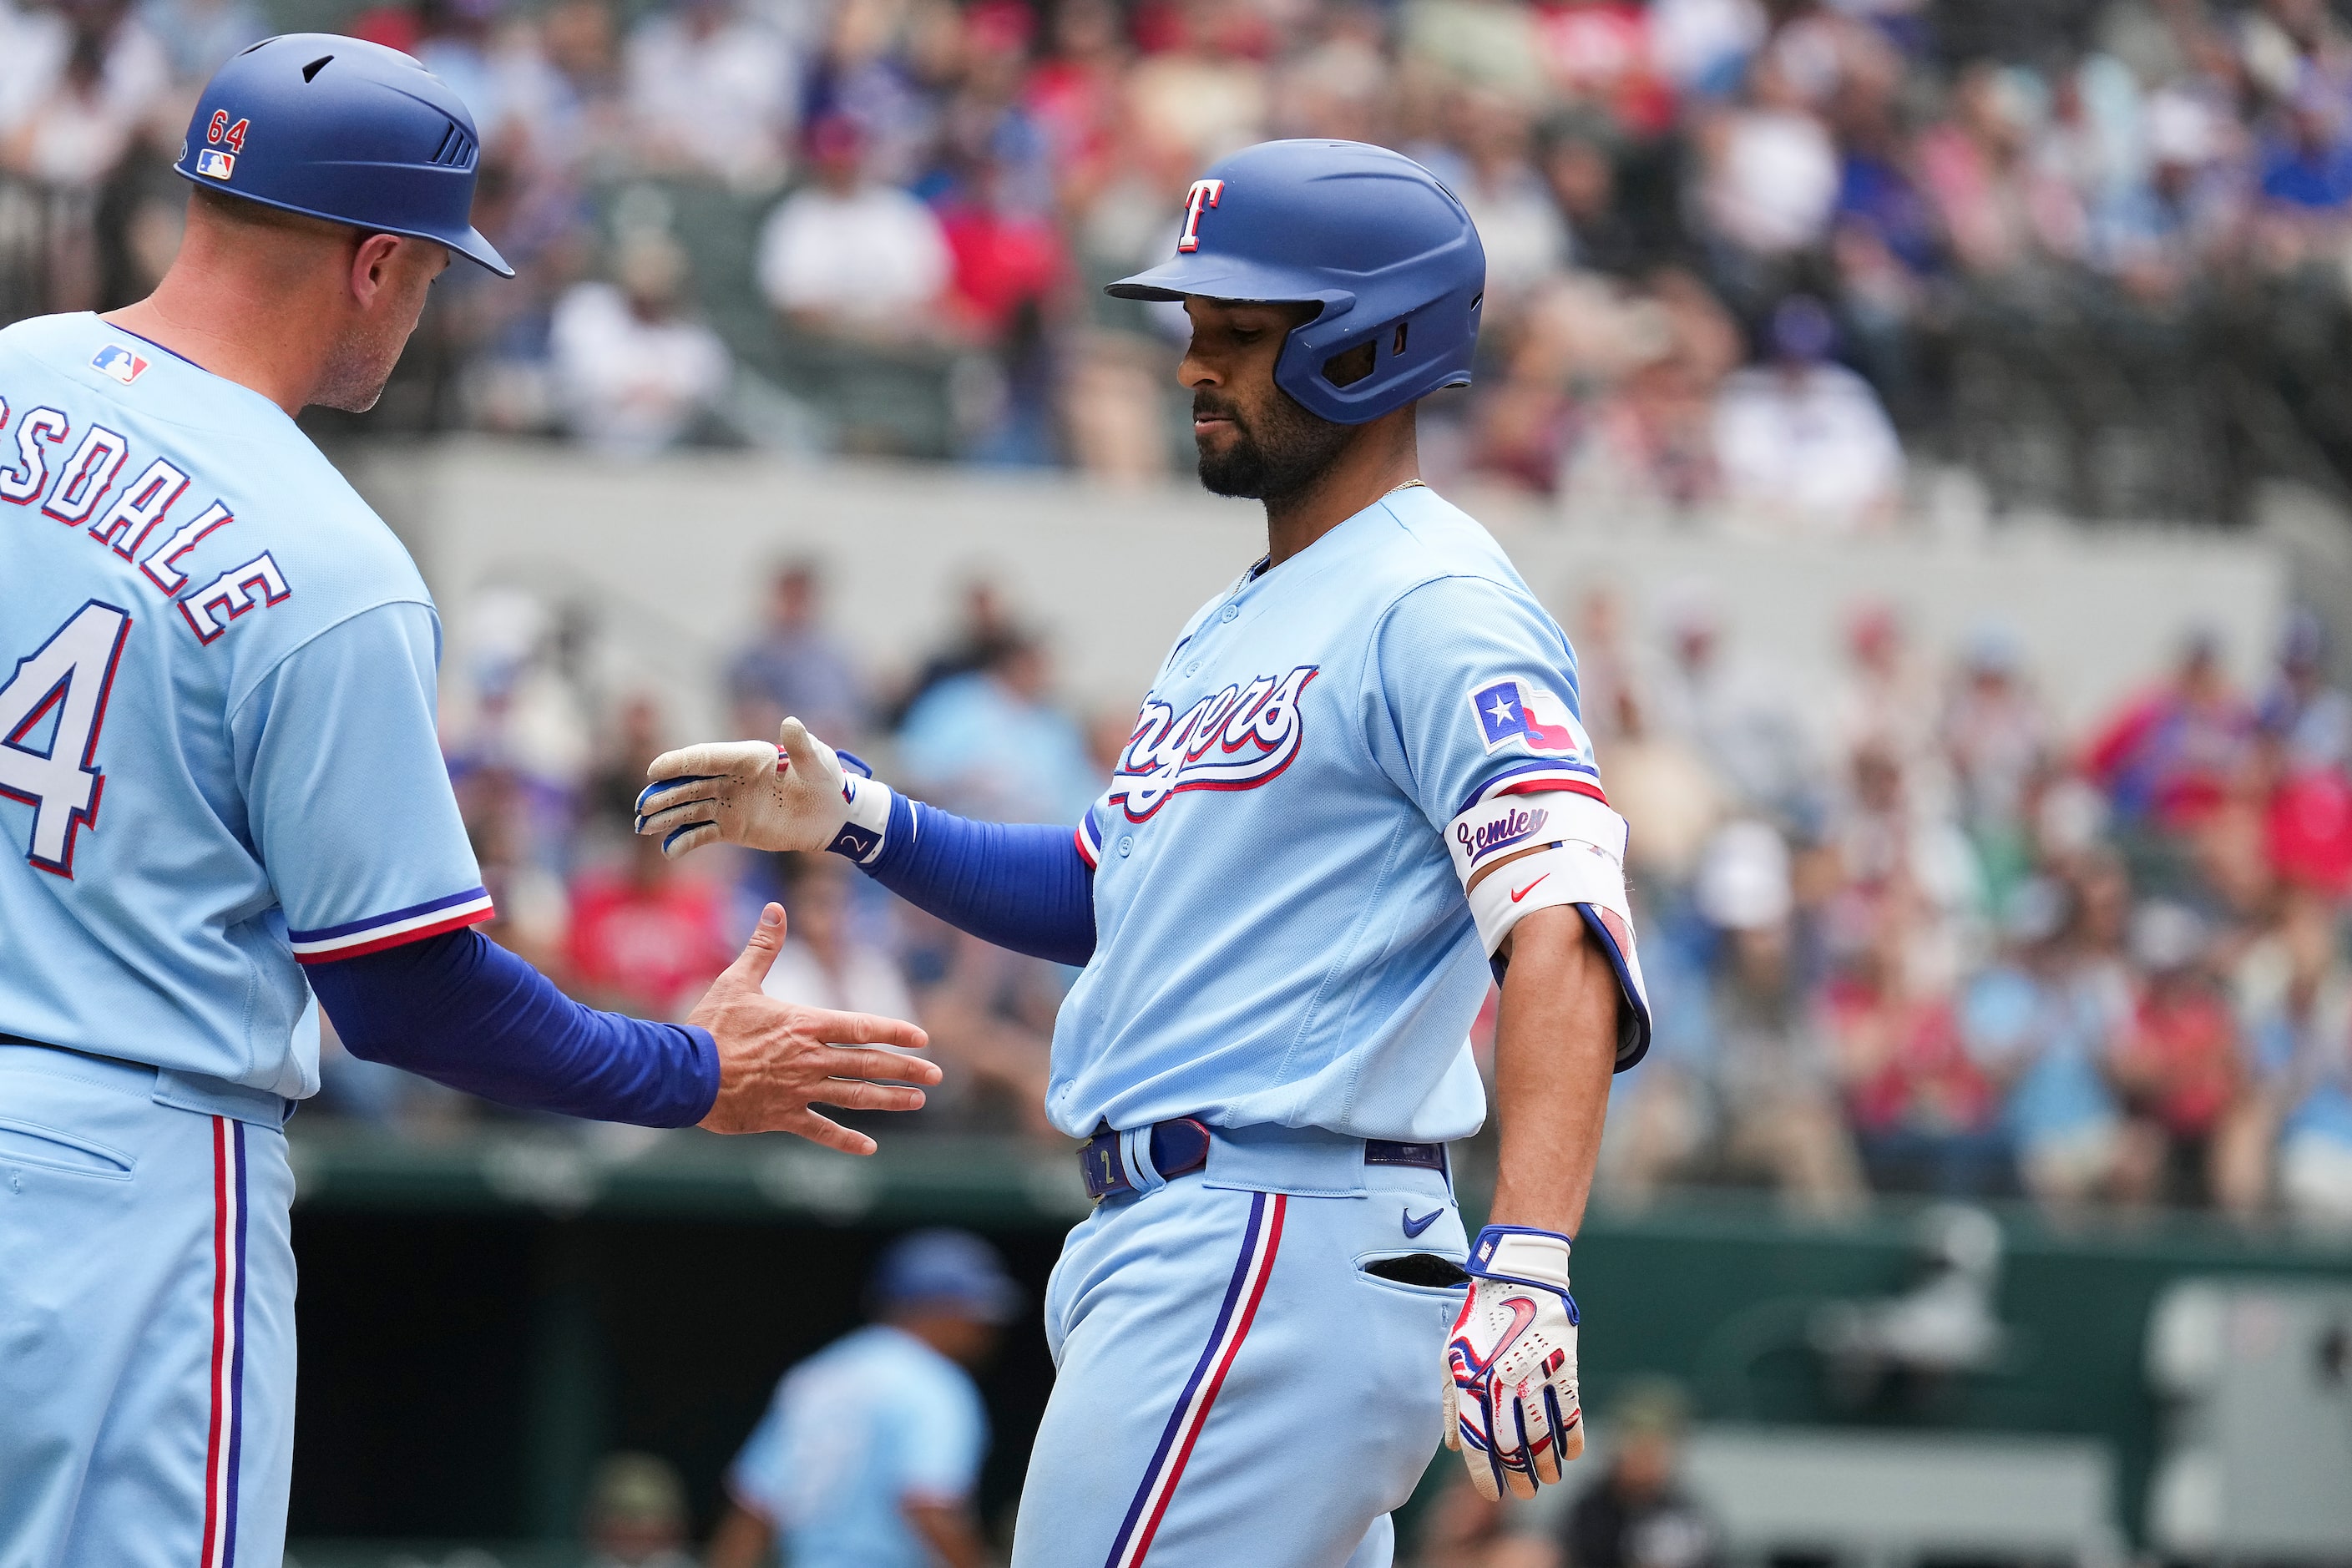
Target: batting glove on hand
[799,793]
[1510,1369]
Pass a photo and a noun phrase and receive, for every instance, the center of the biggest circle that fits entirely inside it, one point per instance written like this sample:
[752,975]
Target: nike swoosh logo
[1413,1228]
[1530,888]
[1523,1315]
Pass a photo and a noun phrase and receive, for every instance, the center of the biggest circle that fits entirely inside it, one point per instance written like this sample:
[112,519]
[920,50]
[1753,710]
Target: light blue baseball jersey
[870,1423]
[217,750]
[1281,937]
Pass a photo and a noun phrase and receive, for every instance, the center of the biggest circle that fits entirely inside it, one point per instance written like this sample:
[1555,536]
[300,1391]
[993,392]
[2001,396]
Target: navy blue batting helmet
[338,129]
[1370,235]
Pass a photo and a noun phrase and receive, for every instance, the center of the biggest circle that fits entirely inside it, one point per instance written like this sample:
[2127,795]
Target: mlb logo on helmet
[215,164]
[120,362]
[1203,196]
[1515,710]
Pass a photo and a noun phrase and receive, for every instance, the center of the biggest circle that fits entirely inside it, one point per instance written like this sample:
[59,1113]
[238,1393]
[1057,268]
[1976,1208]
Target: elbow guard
[1578,860]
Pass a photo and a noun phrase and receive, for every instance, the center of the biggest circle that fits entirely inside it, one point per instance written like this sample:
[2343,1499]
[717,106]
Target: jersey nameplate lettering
[128,517]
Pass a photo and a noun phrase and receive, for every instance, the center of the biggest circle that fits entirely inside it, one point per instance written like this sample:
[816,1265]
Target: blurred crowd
[1909,935]
[1742,253]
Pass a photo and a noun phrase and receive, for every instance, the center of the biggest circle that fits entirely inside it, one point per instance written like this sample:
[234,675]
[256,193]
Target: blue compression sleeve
[463,1011]
[1019,885]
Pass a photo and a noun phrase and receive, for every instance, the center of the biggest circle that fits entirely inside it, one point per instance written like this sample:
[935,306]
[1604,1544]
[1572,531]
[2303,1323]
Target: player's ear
[371,266]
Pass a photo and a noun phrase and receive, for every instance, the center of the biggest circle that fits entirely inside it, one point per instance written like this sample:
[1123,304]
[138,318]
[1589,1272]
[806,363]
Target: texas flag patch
[120,362]
[1517,711]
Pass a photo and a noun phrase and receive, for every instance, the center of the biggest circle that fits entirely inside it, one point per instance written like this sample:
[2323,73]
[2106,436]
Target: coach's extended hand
[790,795]
[777,1058]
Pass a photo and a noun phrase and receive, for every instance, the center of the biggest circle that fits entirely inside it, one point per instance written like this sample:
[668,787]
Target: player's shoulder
[1422,548]
[887,1359]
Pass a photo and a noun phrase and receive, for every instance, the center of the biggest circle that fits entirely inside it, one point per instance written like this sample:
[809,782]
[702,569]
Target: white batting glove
[799,793]
[1511,1368]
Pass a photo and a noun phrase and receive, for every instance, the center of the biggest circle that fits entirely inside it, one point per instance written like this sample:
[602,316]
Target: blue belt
[1182,1145]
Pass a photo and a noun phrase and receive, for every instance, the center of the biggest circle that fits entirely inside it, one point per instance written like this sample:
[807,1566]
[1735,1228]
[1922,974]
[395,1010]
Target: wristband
[868,821]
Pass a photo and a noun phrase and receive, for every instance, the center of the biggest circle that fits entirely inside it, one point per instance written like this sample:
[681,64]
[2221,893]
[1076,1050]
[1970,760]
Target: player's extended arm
[1019,885]
[461,1010]
[1554,917]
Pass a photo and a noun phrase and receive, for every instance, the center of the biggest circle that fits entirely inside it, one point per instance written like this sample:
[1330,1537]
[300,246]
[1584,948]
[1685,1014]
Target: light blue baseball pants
[146,1318]
[1233,1387]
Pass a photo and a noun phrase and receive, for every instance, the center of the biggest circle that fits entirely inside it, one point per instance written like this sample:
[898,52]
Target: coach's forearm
[1555,1049]
[462,1010]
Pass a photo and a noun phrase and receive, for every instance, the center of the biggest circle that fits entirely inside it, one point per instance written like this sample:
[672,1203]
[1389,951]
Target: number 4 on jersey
[61,686]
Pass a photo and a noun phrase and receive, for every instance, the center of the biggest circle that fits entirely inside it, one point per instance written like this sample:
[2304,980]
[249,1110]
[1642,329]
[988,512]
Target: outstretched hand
[789,795]
[777,1058]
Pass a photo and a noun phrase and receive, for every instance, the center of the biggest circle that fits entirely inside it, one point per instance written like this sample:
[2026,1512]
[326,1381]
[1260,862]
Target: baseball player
[1357,780]
[218,776]
[870,1450]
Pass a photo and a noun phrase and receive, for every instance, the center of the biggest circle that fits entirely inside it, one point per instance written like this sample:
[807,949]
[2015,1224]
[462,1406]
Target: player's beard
[1280,453]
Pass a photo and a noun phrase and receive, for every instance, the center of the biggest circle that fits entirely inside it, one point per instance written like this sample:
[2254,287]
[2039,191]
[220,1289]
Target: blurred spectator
[870,1451]
[2169,758]
[1578,162]
[2294,1133]
[1996,741]
[825,962]
[1886,700]
[2306,166]
[2305,714]
[1769,175]
[2176,1065]
[1519,221]
[647,939]
[1803,443]
[1776,1081]
[568,93]
[2041,1024]
[1732,711]
[1923,1111]
[77,83]
[505,821]
[2305,729]
[608,796]
[1768,1105]
[796,668]
[984,626]
[197,37]
[990,744]
[848,255]
[1659,781]
[636,1514]
[711,91]
[1999,214]
[1638,1514]
[989,1014]
[1903,864]
[635,373]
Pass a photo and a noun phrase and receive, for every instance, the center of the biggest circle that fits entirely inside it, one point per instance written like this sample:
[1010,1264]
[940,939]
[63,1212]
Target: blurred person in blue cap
[871,1448]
